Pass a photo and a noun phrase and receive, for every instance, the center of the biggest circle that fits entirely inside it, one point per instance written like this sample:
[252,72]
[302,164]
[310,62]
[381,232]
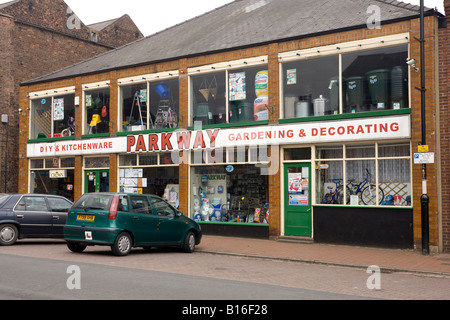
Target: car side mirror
[179,214]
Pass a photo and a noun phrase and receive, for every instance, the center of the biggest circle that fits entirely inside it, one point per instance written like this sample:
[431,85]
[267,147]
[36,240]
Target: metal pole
[424,200]
[6,159]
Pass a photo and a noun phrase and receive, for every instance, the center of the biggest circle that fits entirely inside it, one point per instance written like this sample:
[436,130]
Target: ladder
[142,112]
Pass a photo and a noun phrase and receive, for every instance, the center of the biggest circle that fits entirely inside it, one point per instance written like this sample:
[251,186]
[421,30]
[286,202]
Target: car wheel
[189,242]
[8,234]
[76,247]
[122,245]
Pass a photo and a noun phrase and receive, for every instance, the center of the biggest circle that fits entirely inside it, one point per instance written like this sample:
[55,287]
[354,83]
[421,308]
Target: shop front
[338,179]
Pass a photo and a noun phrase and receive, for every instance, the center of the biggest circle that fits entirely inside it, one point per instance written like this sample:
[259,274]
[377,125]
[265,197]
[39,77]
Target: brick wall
[7,131]
[272,50]
[444,91]
[119,33]
[36,40]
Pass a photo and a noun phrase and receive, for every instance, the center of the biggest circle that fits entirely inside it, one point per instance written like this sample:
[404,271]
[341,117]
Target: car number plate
[85,217]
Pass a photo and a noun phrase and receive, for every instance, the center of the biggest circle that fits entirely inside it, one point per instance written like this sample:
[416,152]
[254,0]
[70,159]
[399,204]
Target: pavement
[388,260]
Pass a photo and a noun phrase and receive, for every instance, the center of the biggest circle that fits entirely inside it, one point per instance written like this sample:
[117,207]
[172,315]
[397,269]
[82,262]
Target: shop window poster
[296,186]
[236,83]
[143,95]
[58,109]
[88,100]
[291,76]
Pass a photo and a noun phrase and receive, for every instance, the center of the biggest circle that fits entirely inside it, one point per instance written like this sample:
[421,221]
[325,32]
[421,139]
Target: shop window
[297,154]
[209,98]
[164,104]
[311,87]
[372,80]
[150,105]
[153,174]
[98,162]
[375,174]
[329,182]
[329,152]
[360,151]
[53,176]
[375,80]
[232,96]
[52,117]
[97,111]
[229,193]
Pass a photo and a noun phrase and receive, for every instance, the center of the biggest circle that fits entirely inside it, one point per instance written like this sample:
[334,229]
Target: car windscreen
[94,202]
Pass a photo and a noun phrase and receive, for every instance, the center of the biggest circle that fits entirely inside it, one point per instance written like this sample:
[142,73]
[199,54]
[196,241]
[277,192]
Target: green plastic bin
[246,112]
[355,92]
[378,83]
[203,114]
[233,115]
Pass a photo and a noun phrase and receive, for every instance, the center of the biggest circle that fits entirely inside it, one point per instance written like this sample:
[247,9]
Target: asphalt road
[42,279]
[48,270]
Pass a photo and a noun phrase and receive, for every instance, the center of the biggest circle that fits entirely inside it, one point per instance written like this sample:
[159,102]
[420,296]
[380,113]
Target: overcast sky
[155,15]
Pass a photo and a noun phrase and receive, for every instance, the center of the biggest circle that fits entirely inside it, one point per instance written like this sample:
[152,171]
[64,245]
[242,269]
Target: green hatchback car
[124,221]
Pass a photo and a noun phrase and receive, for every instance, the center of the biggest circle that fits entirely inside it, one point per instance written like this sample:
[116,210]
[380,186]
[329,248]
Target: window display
[231,96]
[370,180]
[53,117]
[311,87]
[150,105]
[53,176]
[229,193]
[97,111]
[375,79]
[150,174]
[371,80]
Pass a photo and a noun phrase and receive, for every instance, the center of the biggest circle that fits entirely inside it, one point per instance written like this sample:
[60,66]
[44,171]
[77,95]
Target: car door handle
[19,216]
[55,217]
[136,218]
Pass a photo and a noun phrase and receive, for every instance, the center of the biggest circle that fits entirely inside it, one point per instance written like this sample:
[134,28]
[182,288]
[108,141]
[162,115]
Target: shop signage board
[397,127]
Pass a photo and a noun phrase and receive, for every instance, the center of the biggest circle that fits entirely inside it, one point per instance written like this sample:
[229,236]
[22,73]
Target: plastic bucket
[162,90]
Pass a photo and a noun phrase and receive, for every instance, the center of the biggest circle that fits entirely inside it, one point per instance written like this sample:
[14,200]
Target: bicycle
[366,190]
[336,196]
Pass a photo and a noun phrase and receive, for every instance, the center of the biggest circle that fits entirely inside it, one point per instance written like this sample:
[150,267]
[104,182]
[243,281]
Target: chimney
[447,8]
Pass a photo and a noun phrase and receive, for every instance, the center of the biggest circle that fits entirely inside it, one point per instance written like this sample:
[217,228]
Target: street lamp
[424,199]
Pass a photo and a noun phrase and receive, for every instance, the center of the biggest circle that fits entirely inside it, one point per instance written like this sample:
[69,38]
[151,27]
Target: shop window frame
[227,67]
[161,162]
[85,121]
[147,79]
[340,49]
[49,94]
[375,175]
[47,164]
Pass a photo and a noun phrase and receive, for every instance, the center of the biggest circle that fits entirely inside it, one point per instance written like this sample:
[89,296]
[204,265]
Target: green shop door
[96,181]
[297,204]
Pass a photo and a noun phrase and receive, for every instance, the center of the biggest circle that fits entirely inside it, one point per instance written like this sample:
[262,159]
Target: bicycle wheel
[340,195]
[369,197]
